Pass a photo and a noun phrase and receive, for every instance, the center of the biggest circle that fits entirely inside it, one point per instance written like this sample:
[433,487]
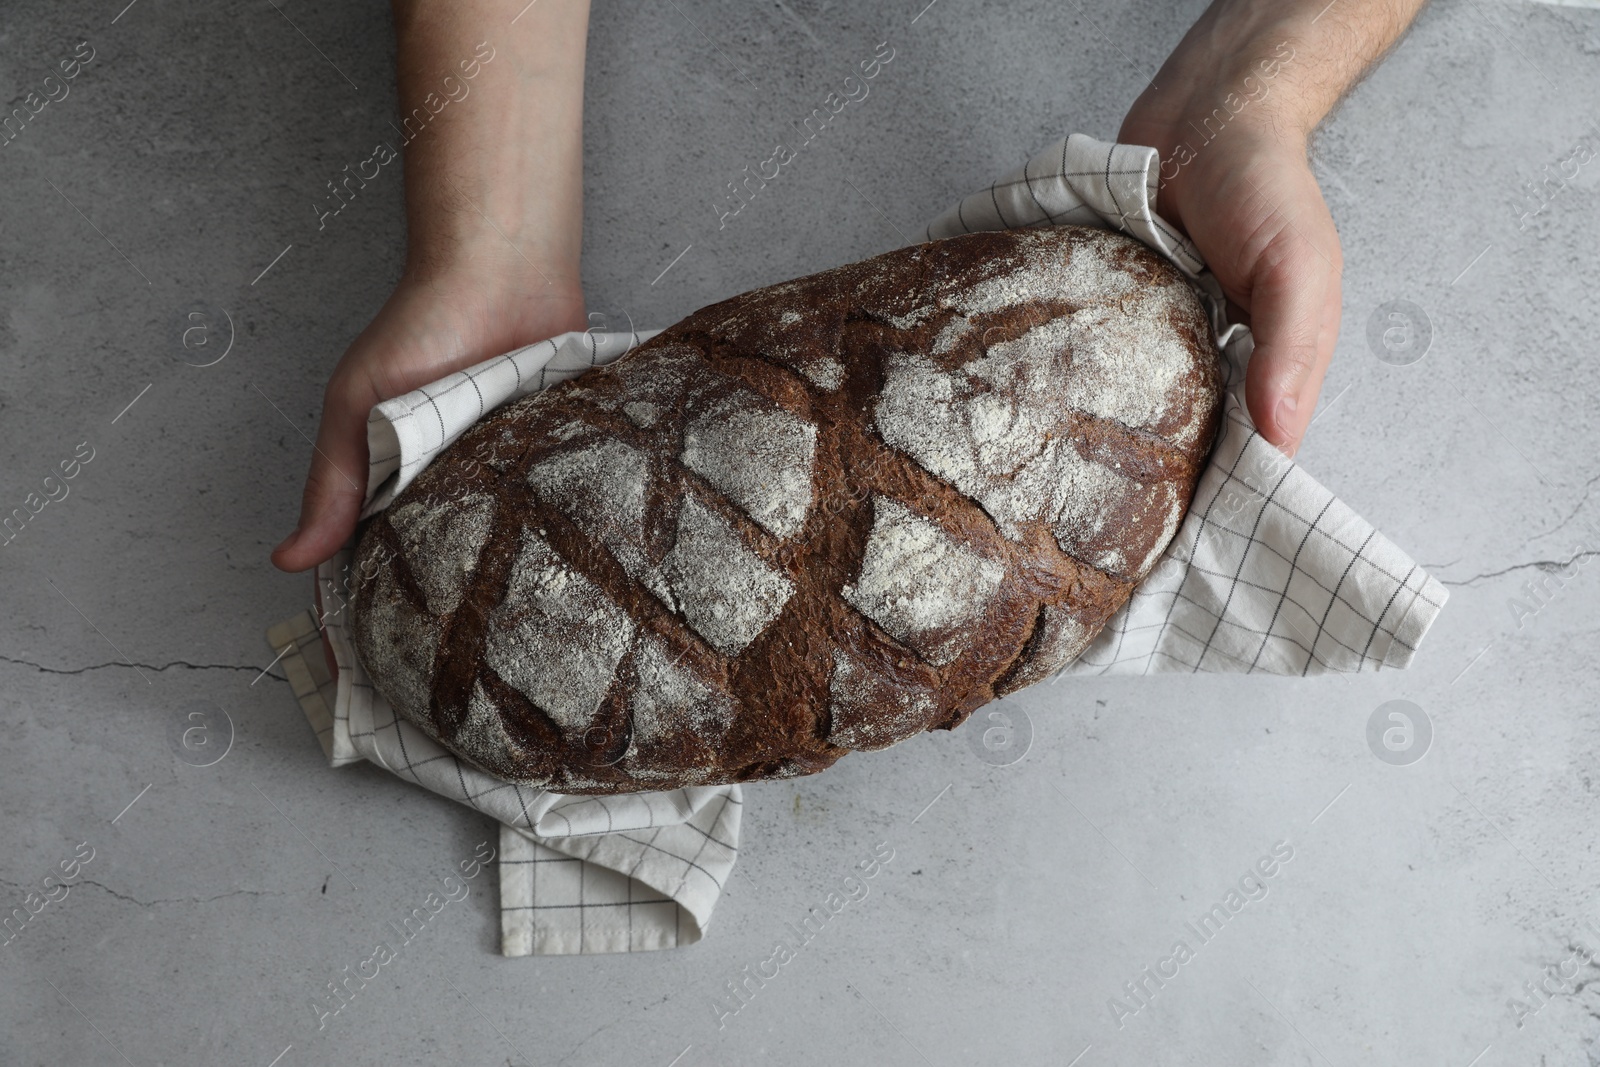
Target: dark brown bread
[818,517]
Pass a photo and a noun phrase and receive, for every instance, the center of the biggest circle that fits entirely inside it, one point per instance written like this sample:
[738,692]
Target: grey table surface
[1421,903]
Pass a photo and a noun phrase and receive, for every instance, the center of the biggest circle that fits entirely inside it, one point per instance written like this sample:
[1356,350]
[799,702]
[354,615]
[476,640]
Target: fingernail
[287,541]
[1283,415]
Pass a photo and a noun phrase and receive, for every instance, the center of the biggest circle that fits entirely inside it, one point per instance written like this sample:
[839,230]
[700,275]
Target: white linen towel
[1268,573]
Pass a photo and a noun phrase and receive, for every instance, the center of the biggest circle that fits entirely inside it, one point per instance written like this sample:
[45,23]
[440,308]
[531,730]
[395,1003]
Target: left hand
[1245,195]
[1252,207]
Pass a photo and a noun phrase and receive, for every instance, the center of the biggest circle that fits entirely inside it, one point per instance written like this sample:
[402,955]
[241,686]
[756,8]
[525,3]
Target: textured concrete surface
[1420,901]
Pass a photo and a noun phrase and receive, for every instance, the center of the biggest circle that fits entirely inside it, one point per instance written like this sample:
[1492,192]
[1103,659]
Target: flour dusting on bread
[919,583]
[671,700]
[1000,429]
[758,455]
[483,736]
[442,542]
[602,488]
[868,711]
[1060,638]
[826,373]
[404,659]
[641,413]
[725,590]
[556,636]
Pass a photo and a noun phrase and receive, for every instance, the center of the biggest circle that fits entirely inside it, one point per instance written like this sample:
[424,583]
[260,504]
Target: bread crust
[819,517]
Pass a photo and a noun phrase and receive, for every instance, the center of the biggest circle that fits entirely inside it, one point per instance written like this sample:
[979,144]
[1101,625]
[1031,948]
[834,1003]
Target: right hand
[437,321]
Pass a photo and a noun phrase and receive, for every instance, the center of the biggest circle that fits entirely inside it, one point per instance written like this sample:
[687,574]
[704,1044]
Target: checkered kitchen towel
[1268,573]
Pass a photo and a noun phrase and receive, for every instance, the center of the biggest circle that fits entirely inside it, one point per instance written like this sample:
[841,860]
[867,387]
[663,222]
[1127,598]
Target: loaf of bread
[816,518]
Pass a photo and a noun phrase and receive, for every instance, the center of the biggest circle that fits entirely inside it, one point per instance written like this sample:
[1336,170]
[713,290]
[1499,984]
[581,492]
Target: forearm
[492,119]
[1293,58]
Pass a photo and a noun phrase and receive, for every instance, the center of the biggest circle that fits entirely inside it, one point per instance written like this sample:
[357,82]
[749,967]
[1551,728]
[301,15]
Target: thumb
[1294,316]
[335,486]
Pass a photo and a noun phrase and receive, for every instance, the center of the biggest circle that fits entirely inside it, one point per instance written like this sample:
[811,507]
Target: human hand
[494,220]
[1250,204]
[432,325]
[1230,112]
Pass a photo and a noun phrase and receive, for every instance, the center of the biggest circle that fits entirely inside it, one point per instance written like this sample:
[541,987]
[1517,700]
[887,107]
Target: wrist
[1286,62]
[505,188]
[1228,75]
[1238,57]
[488,231]
[494,182]
[489,302]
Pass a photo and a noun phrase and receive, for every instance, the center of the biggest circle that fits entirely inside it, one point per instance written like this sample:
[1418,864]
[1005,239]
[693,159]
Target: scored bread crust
[817,517]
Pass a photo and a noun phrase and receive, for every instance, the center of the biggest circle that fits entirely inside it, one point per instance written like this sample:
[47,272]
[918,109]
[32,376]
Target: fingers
[336,485]
[1294,312]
